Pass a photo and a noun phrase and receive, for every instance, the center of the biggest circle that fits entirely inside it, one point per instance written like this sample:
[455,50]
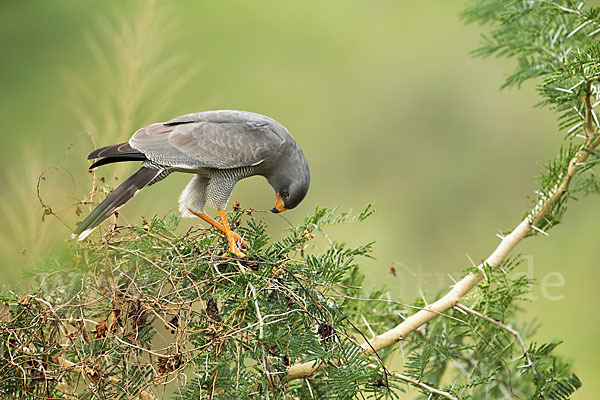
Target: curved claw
[233,246]
[239,253]
[238,239]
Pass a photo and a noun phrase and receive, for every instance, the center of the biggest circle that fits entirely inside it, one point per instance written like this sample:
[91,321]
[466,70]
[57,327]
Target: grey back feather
[212,139]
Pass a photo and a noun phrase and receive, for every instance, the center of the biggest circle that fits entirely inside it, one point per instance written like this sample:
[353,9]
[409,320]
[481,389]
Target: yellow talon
[231,236]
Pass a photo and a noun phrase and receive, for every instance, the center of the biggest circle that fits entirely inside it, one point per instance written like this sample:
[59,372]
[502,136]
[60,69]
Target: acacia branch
[471,280]
[423,386]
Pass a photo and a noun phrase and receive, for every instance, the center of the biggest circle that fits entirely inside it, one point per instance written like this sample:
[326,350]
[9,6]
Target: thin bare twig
[418,383]
[143,395]
[508,329]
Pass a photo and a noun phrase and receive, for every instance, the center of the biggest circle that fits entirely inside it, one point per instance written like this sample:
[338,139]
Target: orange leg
[220,227]
[230,235]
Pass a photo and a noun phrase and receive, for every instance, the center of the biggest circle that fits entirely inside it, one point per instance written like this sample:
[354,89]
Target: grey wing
[224,140]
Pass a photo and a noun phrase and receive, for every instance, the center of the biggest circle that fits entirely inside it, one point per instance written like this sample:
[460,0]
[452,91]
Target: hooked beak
[279,207]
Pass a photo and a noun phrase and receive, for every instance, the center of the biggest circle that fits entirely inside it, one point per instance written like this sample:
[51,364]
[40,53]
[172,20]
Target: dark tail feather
[114,159]
[115,153]
[113,150]
[116,199]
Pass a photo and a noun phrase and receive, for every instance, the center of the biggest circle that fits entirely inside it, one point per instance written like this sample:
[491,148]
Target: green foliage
[145,307]
[549,38]
[554,41]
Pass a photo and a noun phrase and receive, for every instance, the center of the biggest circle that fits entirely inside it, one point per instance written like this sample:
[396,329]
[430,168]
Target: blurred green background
[383,97]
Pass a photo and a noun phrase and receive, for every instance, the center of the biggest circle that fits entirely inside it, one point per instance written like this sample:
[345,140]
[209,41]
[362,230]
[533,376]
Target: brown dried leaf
[100,330]
[168,363]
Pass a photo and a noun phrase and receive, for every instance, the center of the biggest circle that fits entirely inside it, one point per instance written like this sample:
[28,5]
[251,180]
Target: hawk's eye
[285,195]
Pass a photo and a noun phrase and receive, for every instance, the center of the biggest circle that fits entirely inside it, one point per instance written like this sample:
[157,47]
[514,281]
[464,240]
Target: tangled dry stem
[122,316]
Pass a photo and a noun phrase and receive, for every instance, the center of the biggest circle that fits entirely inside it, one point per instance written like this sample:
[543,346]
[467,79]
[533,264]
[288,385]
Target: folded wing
[221,139]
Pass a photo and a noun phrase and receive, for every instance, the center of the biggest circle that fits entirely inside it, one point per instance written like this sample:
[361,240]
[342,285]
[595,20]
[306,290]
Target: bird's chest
[221,183]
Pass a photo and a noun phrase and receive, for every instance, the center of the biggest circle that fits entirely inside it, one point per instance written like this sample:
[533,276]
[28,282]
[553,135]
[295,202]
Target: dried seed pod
[325,330]
[212,311]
